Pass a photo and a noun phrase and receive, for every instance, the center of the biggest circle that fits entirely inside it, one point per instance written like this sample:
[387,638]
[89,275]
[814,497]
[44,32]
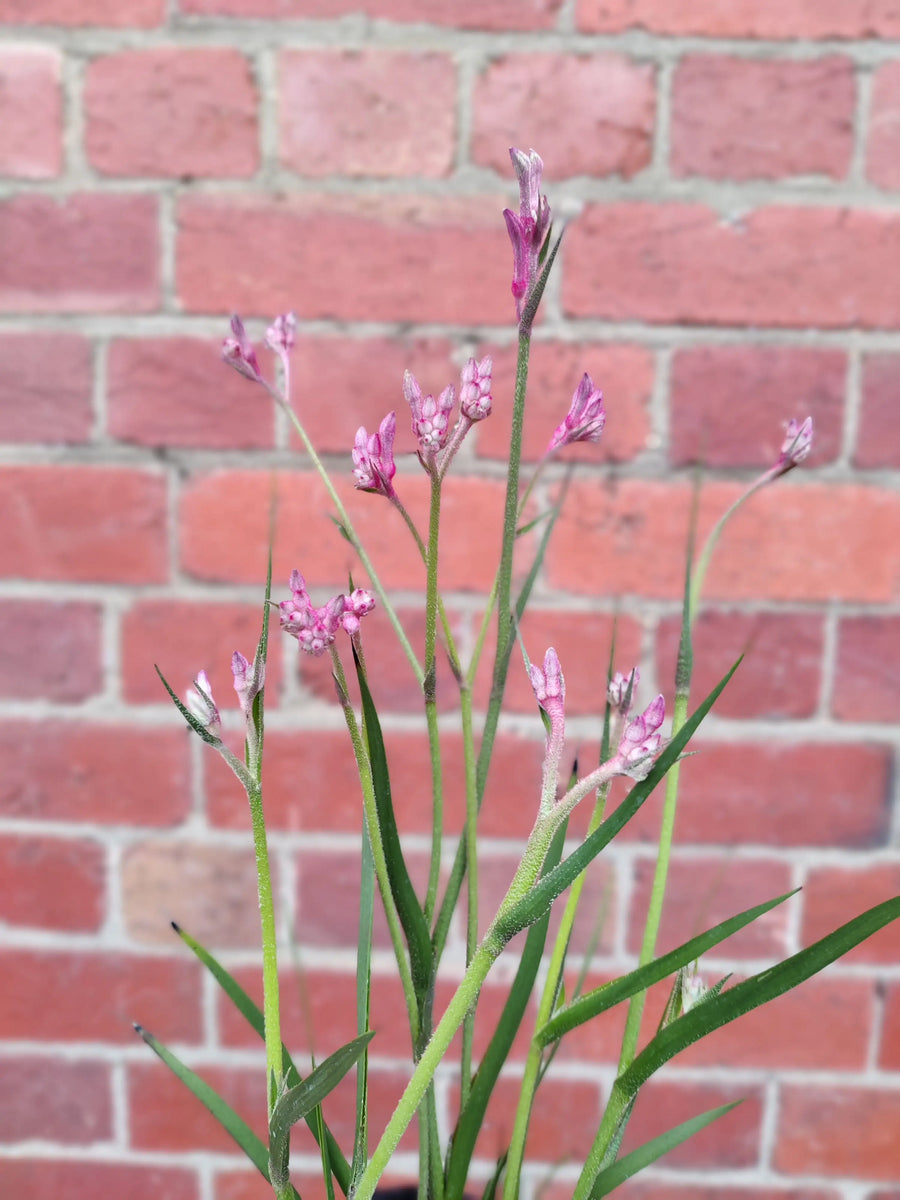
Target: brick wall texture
[729,175]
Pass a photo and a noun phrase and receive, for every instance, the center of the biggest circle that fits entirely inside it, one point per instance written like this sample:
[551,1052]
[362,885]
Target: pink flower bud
[475,389]
[641,740]
[430,417]
[281,333]
[528,228]
[796,446]
[548,684]
[238,351]
[357,605]
[585,419]
[373,458]
[621,690]
[201,705]
[249,680]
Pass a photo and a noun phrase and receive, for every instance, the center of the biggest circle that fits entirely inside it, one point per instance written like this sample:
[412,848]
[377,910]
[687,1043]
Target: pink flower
[585,419]
[201,705]
[795,447]
[475,389]
[316,628]
[528,228]
[281,333]
[548,684]
[641,740]
[373,458]
[357,605]
[238,351]
[621,690]
[249,680]
[430,417]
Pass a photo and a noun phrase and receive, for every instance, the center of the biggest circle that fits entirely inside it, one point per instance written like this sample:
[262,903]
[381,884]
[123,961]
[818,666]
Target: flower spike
[641,741]
[585,419]
[280,335]
[238,352]
[795,447]
[373,458]
[527,228]
[475,389]
[430,417]
[316,628]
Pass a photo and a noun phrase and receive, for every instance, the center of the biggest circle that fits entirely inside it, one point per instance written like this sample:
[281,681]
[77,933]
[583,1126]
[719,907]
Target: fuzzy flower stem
[271,1006]
[430,688]
[471,841]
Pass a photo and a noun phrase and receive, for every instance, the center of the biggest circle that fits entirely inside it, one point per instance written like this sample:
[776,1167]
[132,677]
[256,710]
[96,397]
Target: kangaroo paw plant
[636,742]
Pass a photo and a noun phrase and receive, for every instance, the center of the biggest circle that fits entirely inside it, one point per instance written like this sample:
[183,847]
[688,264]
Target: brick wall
[730,174]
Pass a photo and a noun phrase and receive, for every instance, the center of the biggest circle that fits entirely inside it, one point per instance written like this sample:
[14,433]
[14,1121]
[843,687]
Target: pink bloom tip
[430,417]
[796,445]
[475,389]
[316,628]
[281,333]
[621,690]
[238,352]
[249,680]
[528,228]
[357,605]
[641,740]
[585,419]
[548,684]
[373,458]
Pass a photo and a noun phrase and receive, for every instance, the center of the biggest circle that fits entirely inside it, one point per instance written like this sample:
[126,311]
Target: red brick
[142,14]
[104,994]
[224,531]
[878,437]
[823,1025]
[178,392]
[85,524]
[172,111]
[184,637]
[780,674]
[889,1049]
[164,1115]
[376,113]
[743,18]
[465,14]
[74,900]
[42,1177]
[881,157]
[594,113]
[30,112]
[767,385]
[637,1189]
[399,257]
[50,650]
[778,266]
[45,391]
[616,538]
[624,374]
[742,118]
[209,890]
[866,687]
[701,892]
[731,1141]
[779,795]
[64,1101]
[835,895]
[842,1131]
[67,255]
[94,773]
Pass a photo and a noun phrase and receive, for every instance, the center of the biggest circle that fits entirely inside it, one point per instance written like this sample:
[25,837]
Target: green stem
[430,687]
[450,641]
[472,879]
[271,1013]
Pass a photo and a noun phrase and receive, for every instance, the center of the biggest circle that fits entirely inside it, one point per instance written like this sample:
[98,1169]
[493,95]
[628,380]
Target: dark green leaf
[198,727]
[534,298]
[363,991]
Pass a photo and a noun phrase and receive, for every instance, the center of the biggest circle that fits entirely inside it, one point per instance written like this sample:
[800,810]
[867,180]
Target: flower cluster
[641,740]
[373,458]
[316,628]
[585,419]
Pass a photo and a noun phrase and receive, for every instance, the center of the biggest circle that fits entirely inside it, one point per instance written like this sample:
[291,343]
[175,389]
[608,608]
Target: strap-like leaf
[600,999]
[363,996]
[625,1167]
[409,910]
[531,304]
[235,1126]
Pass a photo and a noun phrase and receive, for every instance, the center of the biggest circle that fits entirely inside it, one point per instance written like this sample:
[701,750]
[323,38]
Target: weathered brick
[164,1115]
[878,437]
[847,1131]
[103,995]
[881,149]
[466,14]
[616,538]
[768,794]
[209,890]
[743,18]
[866,686]
[623,373]
[889,1047]
[399,257]
[765,385]
[30,112]
[743,118]
[834,895]
[781,671]
[77,869]
[178,392]
[58,1101]
[224,531]
[594,113]
[732,1141]
[182,637]
[94,773]
[45,389]
[141,14]
[87,1180]
[67,255]
[376,113]
[50,650]
[781,266]
[105,524]
[172,111]
[639,1189]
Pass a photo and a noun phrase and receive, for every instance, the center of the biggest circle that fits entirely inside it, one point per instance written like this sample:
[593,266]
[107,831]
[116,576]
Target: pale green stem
[699,572]
[271,1013]
[471,879]
[430,687]
[450,641]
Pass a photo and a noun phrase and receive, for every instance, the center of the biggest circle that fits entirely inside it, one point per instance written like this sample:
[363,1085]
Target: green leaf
[412,919]
[590,1005]
[472,1116]
[303,1099]
[624,1168]
[542,895]
[253,1015]
[233,1125]
[363,994]
[490,1189]
[534,298]
[751,993]
[198,727]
